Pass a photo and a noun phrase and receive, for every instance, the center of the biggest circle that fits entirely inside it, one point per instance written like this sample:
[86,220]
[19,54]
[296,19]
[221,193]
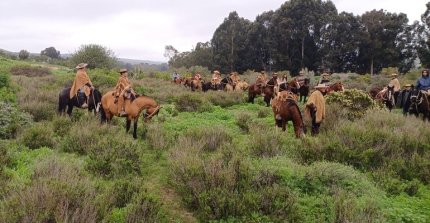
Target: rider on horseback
[216,78]
[82,84]
[122,87]
[423,83]
[315,107]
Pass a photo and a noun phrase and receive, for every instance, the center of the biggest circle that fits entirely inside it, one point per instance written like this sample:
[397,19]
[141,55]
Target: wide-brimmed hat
[320,86]
[81,65]
[301,72]
[216,72]
[393,75]
[122,70]
[408,85]
[325,74]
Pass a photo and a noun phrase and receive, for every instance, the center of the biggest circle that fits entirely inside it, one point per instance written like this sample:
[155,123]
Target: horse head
[416,97]
[151,112]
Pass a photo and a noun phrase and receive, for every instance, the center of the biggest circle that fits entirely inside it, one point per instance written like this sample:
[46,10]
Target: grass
[206,157]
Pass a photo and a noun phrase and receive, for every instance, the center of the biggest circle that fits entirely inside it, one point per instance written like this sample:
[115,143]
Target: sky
[140,29]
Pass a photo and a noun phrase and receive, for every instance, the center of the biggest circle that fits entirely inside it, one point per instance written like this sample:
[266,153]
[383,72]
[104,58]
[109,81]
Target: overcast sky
[139,29]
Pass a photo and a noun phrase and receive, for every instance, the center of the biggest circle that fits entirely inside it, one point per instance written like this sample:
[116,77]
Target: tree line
[312,34]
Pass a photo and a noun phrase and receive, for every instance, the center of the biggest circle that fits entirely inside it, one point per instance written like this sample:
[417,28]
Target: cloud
[140,28]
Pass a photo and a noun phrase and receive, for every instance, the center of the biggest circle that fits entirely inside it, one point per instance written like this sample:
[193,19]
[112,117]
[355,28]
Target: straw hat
[81,65]
[408,85]
[393,75]
[320,86]
[216,72]
[123,70]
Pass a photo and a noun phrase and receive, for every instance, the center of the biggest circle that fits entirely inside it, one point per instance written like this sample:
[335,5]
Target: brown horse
[133,108]
[268,91]
[374,92]
[196,85]
[338,86]
[179,80]
[288,110]
[241,85]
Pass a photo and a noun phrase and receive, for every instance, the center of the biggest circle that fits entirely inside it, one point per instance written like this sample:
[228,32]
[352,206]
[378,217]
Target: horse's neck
[144,102]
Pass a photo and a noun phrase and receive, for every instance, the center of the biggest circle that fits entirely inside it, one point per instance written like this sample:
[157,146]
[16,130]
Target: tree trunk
[371,67]
[303,52]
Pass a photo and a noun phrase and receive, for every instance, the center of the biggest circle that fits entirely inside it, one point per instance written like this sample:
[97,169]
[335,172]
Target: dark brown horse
[179,80]
[304,90]
[288,110]
[268,91]
[386,96]
[64,101]
[420,103]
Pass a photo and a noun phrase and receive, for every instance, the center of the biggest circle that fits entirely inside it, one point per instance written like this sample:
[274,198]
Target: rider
[325,77]
[423,83]
[121,87]
[175,76]
[82,83]
[405,98]
[395,82]
[315,107]
[216,78]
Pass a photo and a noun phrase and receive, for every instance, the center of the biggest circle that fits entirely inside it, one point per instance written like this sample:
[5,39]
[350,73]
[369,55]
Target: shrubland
[206,157]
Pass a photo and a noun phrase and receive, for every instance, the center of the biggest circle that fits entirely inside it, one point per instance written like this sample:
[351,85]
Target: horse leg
[69,109]
[127,125]
[284,125]
[135,129]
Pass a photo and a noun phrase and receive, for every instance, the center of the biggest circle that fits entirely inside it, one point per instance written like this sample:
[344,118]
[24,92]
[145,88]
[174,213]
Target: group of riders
[82,85]
[314,107]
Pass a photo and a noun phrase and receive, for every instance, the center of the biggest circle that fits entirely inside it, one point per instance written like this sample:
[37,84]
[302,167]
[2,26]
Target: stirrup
[84,105]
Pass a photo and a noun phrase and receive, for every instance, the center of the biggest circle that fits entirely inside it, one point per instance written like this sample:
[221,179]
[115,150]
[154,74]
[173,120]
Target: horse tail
[60,105]
[62,101]
[102,115]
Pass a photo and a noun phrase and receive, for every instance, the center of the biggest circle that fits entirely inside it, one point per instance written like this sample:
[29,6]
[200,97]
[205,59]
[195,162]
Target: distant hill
[123,60]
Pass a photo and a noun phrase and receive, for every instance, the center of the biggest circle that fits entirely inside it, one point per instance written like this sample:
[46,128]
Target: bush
[189,102]
[225,99]
[356,101]
[243,120]
[59,191]
[95,56]
[40,111]
[145,208]
[38,135]
[61,125]
[224,186]
[4,80]
[157,137]
[11,120]
[23,54]
[265,143]
[30,71]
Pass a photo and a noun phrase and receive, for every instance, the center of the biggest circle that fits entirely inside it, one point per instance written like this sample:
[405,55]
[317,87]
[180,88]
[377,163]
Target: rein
[153,113]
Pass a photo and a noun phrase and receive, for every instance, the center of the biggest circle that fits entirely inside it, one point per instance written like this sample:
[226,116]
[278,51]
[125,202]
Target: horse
[178,80]
[209,86]
[64,101]
[335,87]
[241,85]
[288,110]
[196,85]
[304,90]
[419,103]
[267,90]
[386,97]
[133,108]
[374,92]
[227,84]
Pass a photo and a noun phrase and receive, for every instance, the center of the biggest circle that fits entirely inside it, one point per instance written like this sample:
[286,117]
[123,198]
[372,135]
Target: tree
[423,38]
[170,52]
[228,44]
[23,54]
[50,52]
[95,56]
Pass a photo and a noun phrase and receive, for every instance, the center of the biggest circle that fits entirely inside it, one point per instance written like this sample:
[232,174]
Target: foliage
[95,56]
[30,71]
[189,102]
[67,195]
[356,101]
[144,208]
[11,120]
[38,135]
[50,52]
[23,54]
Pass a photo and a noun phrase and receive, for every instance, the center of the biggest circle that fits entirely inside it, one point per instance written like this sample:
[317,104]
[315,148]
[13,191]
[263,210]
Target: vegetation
[95,56]
[312,34]
[206,157]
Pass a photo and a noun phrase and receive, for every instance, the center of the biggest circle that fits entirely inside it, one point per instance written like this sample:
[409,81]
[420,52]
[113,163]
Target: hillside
[206,157]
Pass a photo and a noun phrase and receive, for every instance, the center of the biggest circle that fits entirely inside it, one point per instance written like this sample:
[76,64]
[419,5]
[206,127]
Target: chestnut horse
[133,108]
[288,110]
[420,103]
[335,87]
[268,91]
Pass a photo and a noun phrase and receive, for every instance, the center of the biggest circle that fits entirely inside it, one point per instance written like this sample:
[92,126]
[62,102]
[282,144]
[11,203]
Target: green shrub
[265,143]
[189,102]
[205,138]
[59,191]
[157,137]
[38,135]
[225,186]
[61,125]
[356,101]
[11,120]
[4,80]
[243,120]
[225,99]
[145,208]
[30,71]
[263,113]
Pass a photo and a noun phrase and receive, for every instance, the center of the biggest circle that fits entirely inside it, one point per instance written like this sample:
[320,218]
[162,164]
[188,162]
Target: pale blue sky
[139,29]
